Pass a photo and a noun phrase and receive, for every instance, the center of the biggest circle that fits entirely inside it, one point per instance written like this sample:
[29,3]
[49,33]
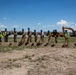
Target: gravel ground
[39,61]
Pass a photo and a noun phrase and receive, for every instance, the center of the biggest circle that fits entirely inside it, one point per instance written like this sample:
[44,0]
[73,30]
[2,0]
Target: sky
[37,14]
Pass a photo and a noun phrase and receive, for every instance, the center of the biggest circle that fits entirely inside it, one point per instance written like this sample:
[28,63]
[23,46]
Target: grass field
[60,39]
[4,49]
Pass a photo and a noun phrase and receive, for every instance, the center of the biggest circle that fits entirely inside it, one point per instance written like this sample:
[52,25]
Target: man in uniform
[0,36]
[15,35]
[6,33]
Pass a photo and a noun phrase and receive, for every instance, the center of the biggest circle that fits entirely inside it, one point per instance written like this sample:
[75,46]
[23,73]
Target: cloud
[62,23]
[39,23]
[72,25]
[4,18]
[49,25]
[67,24]
[3,26]
[52,25]
[15,26]
[33,28]
[44,26]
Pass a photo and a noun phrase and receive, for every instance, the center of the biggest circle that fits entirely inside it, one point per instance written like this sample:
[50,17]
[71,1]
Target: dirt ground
[39,61]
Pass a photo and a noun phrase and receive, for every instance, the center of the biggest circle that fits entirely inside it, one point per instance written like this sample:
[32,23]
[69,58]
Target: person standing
[55,35]
[42,35]
[29,39]
[41,39]
[0,36]
[6,33]
[23,36]
[22,41]
[49,36]
[15,35]
[35,36]
[66,36]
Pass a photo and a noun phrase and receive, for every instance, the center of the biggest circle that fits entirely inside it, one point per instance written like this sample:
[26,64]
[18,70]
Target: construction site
[32,54]
[37,37]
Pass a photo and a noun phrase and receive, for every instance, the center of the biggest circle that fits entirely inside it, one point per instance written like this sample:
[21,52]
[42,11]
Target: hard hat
[5,29]
[34,30]
[48,30]
[14,28]
[22,29]
[55,30]
[41,30]
[28,28]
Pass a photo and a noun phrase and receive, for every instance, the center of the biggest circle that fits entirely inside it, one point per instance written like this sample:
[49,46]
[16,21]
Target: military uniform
[6,33]
[0,36]
[15,35]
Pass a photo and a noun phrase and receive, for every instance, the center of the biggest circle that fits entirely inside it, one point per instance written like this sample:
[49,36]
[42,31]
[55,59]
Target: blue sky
[37,14]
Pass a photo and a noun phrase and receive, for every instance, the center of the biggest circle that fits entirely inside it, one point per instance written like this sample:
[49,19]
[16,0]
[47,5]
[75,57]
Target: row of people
[29,33]
[6,34]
